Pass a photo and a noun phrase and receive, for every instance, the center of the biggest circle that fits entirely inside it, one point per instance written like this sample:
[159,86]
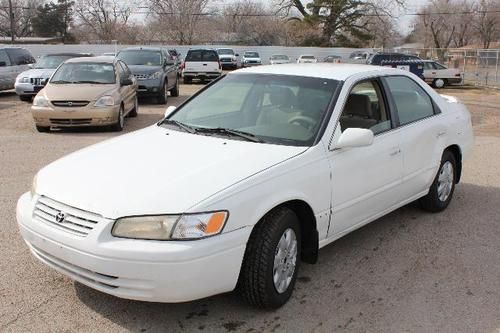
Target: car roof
[143,48]
[325,71]
[98,59]
[69,54]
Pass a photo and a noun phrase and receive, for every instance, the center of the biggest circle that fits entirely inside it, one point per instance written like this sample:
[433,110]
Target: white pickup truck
[439,75]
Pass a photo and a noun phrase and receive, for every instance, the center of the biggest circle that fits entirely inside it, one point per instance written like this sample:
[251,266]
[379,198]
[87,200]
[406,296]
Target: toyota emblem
[60,217]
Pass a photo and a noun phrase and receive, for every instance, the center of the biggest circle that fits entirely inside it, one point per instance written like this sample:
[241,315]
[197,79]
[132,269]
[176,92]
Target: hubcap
[122,120]
[285,258]
[445,181]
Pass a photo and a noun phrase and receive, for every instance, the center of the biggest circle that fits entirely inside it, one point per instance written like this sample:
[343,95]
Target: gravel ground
[407,272]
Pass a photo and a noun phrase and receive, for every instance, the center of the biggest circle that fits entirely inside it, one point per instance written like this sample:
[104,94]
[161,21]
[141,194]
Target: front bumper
[27,89]
[156,271]
[149,87]
[250,64]
[75,116]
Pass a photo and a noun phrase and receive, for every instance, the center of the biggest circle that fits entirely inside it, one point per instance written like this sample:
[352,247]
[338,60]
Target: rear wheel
[26,98]
[441,190]
[187,80]
[120,123]
[163,95]
[271,261]
[439,83]
[174,92]
[42,129]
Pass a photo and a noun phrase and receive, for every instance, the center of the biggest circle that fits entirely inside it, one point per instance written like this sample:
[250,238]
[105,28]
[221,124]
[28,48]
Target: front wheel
[135,110]
[441,190]
[271,262]
[163,94]
[120,123]
[439,83]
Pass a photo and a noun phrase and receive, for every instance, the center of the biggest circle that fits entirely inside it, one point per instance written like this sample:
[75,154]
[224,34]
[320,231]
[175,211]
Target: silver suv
[13,60]
[30,82]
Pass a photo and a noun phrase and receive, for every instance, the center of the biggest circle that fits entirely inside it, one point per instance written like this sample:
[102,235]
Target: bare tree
[180,19]
[103,18]
[488,21]
[463,22]
[23,12]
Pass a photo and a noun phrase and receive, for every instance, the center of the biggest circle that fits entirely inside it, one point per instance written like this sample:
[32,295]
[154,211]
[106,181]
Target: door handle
[395,152]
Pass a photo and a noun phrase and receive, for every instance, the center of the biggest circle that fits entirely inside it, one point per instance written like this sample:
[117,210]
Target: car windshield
[251,55]
[140,57]
[277,109]
[279,57]
[97,73]
[308,57]
[51,61]
[225,52]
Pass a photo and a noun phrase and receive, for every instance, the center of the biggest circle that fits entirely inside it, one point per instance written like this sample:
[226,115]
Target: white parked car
[251,58]
[201,64]
[307,59]
[244,181]
[279,59]
[439,76]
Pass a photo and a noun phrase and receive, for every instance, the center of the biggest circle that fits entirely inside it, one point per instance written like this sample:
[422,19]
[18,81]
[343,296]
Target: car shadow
[402,272]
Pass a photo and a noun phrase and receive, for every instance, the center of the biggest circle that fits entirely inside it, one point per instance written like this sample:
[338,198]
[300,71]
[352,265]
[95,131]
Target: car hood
[43,73]
[155,171]
[143,69]
[77,92]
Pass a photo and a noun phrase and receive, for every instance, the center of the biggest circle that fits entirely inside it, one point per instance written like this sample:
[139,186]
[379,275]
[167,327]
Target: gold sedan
[91,91]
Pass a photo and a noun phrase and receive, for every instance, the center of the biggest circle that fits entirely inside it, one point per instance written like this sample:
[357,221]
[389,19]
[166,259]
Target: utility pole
[11,14]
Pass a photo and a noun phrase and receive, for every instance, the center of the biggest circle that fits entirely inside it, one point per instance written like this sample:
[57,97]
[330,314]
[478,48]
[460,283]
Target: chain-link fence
[480,66]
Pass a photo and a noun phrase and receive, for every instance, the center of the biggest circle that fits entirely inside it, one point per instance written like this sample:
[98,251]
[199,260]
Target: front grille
[60,121]
[141,76]
[37,81]
[70,104]
[67,218]
[225,60]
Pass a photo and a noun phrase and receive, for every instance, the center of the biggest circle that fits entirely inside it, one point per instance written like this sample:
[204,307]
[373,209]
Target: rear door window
[202,55]
[4,58]
[412,102]
[20,57]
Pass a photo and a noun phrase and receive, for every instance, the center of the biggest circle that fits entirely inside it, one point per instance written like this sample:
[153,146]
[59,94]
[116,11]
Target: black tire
[433,201]
[163,95]
[188,80]
[42,129]
[174,92]
[439,83]
[256,283]
[26,98]
[118,127]
[135,110]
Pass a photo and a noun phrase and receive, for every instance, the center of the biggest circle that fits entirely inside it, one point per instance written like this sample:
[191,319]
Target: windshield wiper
[91,82]
[220,130]
[183,126]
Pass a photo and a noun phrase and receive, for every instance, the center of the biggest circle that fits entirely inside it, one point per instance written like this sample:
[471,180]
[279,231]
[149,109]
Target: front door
[365,180]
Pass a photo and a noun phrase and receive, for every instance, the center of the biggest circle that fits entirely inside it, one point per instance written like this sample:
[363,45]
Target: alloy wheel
[285,259]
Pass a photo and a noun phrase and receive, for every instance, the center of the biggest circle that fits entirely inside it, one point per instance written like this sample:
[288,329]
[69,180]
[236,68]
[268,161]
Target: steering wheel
[303,121]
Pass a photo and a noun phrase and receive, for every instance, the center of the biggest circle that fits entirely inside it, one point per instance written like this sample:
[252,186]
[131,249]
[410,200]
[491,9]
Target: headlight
[34,186]
[105,101]
[171,227]
[40,100]
[155,75]
[23,79]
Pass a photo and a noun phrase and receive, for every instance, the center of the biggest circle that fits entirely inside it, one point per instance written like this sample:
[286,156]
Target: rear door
[4,70]
[422,135]
[202,61]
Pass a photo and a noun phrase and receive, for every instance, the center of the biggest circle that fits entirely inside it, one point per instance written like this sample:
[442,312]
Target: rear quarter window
[20,57]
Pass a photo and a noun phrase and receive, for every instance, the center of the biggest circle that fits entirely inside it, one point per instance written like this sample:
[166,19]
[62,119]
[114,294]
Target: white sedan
[244,181]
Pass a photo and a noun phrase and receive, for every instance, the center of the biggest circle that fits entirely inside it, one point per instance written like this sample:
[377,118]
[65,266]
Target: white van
[13,61]
[202,64]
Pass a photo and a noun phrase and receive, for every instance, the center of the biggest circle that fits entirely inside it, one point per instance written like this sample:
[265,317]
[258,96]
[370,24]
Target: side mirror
[355,137]
[169,110]
[126,81]
[44,82]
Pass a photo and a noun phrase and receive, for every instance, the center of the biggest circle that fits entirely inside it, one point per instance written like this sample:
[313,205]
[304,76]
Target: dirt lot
[407,272]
